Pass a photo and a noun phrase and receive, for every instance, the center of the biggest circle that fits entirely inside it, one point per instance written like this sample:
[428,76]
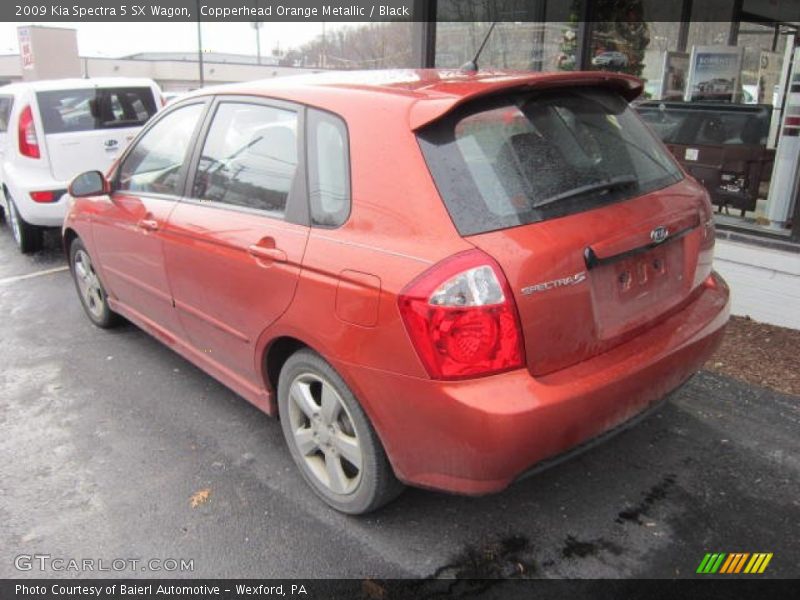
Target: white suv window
[6,102]
[89,109]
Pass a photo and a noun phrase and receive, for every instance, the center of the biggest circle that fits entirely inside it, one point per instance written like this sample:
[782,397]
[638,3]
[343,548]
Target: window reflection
[249,157]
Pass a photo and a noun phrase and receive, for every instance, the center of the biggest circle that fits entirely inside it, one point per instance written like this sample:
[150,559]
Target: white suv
[51,131]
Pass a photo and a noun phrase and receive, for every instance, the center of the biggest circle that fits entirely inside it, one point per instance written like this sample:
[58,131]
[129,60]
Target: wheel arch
[275,355]
[69,236]
[278,350]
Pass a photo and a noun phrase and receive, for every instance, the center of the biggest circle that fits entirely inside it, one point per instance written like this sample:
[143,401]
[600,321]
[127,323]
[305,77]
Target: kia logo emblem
[659,234]
[111,143]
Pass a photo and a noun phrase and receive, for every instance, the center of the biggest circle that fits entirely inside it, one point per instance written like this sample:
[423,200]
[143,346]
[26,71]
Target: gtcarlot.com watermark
[60,564]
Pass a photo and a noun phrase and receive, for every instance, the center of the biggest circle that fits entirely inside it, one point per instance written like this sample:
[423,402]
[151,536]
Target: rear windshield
[89,109]
[534,156]
[690,124]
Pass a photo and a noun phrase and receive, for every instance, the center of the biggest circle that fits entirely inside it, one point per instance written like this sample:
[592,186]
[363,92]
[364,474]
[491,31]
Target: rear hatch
[596,229]
[86,129]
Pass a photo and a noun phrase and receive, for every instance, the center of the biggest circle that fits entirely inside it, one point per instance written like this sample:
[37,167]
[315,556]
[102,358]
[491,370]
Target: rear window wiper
[597,186]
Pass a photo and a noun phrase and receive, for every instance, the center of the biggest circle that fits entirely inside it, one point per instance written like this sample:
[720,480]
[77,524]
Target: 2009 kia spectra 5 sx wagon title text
[432,277]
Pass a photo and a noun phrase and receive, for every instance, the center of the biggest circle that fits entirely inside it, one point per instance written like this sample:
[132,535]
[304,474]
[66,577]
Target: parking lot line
[32,275]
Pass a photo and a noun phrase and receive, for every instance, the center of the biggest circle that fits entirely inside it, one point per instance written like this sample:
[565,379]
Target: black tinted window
[88,109]
[6,102]
[529,157]
[156,162]
[249,157]
[690,124]
[329,169]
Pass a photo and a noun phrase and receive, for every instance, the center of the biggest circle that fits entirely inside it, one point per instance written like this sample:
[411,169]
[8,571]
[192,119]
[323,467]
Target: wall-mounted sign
[783,186]
[674,74]
[769,74]
[715,74]
[25,48]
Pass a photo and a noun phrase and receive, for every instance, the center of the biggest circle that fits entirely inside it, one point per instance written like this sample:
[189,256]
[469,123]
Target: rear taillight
[461,317]
[28,142]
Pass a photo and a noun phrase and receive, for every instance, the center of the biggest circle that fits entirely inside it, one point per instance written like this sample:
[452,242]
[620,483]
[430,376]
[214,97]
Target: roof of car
[76,83]
[426,94]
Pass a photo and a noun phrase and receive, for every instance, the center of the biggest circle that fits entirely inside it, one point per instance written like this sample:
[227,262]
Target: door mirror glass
[91,183]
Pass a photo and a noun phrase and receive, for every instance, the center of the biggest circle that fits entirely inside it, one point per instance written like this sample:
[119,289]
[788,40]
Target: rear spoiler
[428,110]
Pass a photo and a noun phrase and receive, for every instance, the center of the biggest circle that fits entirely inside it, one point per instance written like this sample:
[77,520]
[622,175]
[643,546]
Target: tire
[28,238]
[328,438]
[91,292]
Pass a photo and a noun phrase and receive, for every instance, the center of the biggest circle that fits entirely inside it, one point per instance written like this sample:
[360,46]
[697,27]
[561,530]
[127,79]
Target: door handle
[148,224]
[273,254]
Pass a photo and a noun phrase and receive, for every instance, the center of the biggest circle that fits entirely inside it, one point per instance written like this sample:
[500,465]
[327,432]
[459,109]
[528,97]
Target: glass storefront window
[633,38]
[761,65]
[676,57]
[523,46]
[542,40]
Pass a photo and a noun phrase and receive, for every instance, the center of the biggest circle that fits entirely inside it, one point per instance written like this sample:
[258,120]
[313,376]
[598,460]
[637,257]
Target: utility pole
[324,48]
[257,26]
[200,45]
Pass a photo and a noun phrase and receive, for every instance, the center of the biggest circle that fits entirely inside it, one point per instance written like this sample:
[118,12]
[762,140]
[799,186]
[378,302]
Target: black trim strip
[592,260]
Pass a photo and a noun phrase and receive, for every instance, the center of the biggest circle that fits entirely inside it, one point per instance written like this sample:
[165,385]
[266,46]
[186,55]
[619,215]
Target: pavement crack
[573,547]
[655,494]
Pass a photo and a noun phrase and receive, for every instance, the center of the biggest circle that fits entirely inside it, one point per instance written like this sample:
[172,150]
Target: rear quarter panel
[398,227]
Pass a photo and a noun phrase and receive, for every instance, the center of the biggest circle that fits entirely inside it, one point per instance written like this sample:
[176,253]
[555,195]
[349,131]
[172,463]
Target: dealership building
[721,88]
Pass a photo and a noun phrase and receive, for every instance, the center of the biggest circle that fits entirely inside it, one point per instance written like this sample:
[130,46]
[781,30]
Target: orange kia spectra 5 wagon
[438,278]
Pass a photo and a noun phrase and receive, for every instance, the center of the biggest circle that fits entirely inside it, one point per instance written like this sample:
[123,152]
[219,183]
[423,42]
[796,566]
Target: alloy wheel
[13,220]
[323,433]
[88,284]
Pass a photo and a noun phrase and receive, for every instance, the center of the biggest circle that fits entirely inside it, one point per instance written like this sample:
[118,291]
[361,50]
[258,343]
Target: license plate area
[638,275]
[633,290]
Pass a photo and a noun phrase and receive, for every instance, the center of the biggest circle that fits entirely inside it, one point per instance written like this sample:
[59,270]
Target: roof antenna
[472,66]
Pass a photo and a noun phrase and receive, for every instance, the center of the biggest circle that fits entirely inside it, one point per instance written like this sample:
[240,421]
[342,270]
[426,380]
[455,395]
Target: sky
[120,39]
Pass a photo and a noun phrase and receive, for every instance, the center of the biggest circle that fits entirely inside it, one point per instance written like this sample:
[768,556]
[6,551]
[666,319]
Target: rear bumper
[478,436]
[21,182]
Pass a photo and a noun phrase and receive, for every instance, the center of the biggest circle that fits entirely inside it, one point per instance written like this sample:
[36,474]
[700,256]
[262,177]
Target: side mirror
[91,183]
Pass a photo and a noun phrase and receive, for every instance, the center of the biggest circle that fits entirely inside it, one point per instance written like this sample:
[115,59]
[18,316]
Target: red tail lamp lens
[461,318]
[28,142]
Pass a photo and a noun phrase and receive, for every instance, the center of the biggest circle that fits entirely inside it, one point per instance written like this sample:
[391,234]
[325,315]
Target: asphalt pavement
[106,436]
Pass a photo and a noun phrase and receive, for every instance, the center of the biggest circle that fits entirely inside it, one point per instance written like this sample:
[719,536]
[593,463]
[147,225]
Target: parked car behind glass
[433,277]
[610,58]
[52,130]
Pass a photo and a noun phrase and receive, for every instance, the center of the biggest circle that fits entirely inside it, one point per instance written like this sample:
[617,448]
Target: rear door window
[65,111]
[529,157]
[6,104]
[249,157]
